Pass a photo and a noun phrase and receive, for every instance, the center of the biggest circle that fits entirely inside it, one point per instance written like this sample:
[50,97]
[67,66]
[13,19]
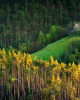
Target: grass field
[55,49]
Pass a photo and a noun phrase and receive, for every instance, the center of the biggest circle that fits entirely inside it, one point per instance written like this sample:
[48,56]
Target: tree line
[24,78]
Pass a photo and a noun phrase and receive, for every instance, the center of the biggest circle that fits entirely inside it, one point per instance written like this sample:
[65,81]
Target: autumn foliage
[24,78]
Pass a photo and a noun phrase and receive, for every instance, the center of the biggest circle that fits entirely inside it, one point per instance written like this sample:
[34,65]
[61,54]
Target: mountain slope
[55,49]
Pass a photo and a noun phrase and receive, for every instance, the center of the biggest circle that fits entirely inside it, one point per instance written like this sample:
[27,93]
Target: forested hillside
[25,23]
[50,27]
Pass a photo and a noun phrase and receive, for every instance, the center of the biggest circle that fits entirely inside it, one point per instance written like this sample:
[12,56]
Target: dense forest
[28,24]
[22,78]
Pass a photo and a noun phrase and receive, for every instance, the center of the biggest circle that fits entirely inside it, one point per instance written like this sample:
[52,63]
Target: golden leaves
[46,64]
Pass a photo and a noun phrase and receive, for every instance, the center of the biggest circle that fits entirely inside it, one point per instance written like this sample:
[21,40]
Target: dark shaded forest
[26,24]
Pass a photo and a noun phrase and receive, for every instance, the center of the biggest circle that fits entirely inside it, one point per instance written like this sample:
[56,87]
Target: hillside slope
[55,49]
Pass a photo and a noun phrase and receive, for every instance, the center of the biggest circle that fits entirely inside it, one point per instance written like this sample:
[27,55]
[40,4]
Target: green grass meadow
[55,49]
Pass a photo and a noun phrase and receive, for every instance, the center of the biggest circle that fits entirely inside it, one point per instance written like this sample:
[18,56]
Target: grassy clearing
[55,49]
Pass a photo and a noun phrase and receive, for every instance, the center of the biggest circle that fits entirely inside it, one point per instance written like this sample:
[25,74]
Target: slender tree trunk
[18,82]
